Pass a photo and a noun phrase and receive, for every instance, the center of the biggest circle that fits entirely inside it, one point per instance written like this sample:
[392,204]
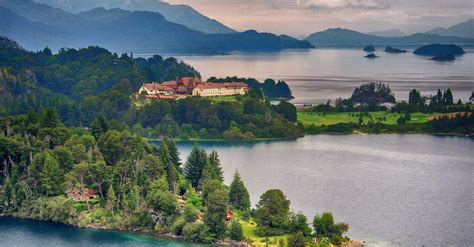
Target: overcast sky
[302,17]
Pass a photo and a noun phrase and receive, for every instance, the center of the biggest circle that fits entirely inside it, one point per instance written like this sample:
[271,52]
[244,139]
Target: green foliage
[197,232]
[296,240]
[194,165]
[51,176]
[216,203]
[324,227]
[238,194]
[287,110]
[168,165]
[193,198]
[212,169]
[190,213]
[99,126]
[373,93]
[272,213]
[161,199]
[236,231]
[299,223]
[178,225]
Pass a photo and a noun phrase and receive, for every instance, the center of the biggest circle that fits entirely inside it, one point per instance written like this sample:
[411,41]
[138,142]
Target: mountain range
[180,14]
[36,26]
[464,29]
[388,33]
[346,37]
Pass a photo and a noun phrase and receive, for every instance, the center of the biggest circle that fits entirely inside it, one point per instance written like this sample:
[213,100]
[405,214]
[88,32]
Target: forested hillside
[82,84]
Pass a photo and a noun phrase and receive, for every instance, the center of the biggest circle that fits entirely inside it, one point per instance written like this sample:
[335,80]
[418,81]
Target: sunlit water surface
[317,75]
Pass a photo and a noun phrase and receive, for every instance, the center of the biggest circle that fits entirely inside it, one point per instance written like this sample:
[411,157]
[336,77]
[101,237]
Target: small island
[369,48]
[440,52]
[390,49]
[371,56]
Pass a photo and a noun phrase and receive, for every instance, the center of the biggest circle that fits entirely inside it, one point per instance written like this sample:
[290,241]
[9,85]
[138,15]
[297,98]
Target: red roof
[156,86]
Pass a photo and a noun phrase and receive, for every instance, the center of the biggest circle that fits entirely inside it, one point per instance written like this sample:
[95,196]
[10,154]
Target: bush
[296,240]
[236,231]
[190,213]
[178,225]
[196,232]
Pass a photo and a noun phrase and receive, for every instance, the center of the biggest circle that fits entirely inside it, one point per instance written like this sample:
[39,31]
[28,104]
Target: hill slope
[125,31]
[464,29]
[181,14]
[345,37]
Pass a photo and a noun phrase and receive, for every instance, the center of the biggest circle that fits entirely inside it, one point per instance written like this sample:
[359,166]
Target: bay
[317,75]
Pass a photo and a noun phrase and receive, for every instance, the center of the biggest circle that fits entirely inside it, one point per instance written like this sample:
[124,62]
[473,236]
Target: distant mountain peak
[464,29]
[179,13]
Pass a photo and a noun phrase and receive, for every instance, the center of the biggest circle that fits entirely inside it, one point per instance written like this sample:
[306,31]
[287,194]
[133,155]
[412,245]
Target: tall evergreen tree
[99,126]
[216,214]
[238,194]
[170,168]
[448,97]
[414,98]
[174,153]
[51,176]
[194,165]
[215,165]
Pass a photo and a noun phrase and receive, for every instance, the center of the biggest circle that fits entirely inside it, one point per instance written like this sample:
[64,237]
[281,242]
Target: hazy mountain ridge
[388,33]
[463,29]
[346,37]
[125,31]
[180,14]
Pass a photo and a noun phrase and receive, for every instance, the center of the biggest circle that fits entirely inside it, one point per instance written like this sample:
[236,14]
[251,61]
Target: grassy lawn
[231,98]
[249,232]
[318,119]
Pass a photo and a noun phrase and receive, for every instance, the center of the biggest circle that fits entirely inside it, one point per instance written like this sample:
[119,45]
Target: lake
[26,233]
[411,190]
[317,75]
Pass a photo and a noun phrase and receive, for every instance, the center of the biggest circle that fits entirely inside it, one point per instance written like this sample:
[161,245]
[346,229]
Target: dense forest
[107,178]
[83,84]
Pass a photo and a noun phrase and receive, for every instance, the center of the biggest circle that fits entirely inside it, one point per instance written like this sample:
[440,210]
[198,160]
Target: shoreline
[163,236]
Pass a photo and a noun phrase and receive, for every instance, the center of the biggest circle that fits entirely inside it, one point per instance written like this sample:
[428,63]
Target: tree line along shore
[107,178]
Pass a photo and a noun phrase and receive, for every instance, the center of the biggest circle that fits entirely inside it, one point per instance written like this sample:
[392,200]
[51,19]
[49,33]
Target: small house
[81,195]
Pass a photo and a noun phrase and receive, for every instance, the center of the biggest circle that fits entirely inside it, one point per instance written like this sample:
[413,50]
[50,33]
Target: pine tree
[238,194]
[99,126]
[194,166]
[51,176]
[448,97]
[170,168]
[216,165]
[174,153]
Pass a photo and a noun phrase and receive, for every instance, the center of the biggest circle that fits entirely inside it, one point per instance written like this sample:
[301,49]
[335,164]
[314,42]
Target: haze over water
[317,75]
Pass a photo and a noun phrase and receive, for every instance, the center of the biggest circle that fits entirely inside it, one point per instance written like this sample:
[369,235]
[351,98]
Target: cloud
[301,17]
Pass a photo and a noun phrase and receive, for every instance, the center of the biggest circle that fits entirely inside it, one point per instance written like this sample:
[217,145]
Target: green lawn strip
[318,119]
[231,98]
[249,227]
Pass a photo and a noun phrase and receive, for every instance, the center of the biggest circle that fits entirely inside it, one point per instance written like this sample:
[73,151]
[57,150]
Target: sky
[302,17]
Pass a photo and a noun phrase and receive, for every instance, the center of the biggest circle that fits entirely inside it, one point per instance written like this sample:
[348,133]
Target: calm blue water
[408,190]
[19,232]
[411,190]
[317,75]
